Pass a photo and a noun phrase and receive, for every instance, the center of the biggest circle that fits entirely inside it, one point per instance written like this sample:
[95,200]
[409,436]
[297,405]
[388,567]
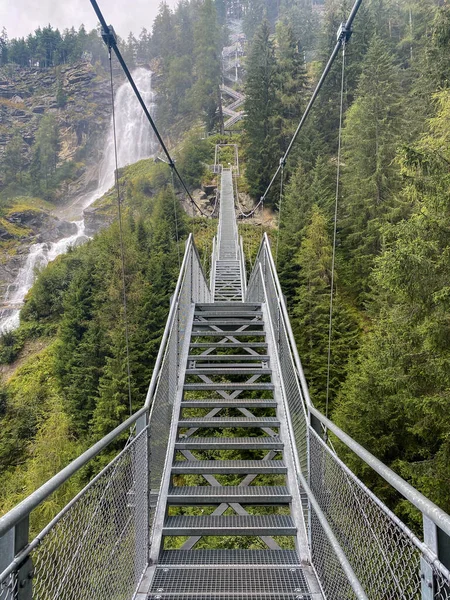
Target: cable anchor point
[344,33]
[109,36]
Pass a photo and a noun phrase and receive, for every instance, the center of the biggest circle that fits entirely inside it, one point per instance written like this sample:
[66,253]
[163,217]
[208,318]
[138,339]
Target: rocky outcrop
[96,218]
[78,95]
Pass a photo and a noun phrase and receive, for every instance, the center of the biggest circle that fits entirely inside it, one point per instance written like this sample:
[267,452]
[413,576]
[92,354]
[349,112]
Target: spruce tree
[311,314]
[261,107]
[371,135]
[292,81]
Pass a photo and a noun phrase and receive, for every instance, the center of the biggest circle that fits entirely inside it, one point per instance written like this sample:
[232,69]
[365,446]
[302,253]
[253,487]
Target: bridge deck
[230,524]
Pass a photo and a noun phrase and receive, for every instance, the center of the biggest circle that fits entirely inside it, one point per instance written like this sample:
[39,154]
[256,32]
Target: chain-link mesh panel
[441,585]
[8,588]
[331,575]
[98,548]
[380,549]
[294,397]
[194,288]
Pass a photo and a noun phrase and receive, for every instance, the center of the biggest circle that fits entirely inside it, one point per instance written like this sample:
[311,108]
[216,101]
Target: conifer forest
[64,369]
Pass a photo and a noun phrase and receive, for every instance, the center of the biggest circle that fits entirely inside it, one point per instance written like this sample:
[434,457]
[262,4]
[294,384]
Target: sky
[21,17]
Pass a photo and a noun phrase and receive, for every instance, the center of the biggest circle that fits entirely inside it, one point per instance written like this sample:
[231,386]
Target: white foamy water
[135,141]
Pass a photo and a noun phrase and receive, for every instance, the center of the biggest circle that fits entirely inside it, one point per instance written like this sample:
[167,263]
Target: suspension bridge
[227,485]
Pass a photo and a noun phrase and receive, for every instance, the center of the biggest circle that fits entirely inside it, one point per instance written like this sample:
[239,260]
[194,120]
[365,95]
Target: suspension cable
[333,259]
[279,213]
[109,37]
[122,247]
[343,35]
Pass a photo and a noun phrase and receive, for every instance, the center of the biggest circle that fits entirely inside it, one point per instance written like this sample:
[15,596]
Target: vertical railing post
[430,537]
[439,543]
[11,544]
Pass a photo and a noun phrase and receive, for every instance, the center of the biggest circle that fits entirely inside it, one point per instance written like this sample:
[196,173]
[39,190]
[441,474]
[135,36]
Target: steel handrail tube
[24,508]
[417,499]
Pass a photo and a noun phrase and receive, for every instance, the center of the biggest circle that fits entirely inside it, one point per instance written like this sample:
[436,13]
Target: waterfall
[135,141]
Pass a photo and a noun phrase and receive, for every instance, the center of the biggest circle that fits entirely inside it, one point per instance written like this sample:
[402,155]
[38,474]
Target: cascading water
[135,141]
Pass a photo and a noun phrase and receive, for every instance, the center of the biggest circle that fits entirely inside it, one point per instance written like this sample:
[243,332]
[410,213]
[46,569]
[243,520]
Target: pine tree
[207,39]
[372,133]
[395,401]
[292,81]
[311,314]
[261,107]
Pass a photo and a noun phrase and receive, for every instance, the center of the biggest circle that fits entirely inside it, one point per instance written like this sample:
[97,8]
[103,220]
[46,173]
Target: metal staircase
[227,487]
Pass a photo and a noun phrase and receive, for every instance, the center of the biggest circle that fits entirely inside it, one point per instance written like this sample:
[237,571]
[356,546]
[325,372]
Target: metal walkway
[227,488]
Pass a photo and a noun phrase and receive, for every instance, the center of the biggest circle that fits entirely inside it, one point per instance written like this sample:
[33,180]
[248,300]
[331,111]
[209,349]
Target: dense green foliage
[390,353]
[76,389]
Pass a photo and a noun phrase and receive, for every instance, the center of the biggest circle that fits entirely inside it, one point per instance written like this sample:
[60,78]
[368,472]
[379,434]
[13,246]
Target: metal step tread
[229,525]
[229,357]
[228,557]
[211,367]
[234,403]
[229,422]
[235,582]
[246,332]
[256,494]
[228,466]
[228,322]
[228,344]
[222,314]
[227,306]
[220,370]
[228,386]
[224,443]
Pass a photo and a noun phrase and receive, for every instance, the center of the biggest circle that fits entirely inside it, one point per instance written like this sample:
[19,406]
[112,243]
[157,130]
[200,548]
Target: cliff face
[79,98]
[77,95]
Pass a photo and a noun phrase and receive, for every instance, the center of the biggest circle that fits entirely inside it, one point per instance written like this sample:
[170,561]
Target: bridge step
[287,558]
[208,495]
[218,370]
[228,386]
[229,344]
[248,332]
[229,323]
[229,422]
[205,525]
[236,583]
[215,306]
[221,314]
[210,368]
[235,403]
[242,467]
[234,443]
[228,357]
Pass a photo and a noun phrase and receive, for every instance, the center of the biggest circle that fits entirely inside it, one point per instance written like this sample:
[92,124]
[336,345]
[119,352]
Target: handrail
[24,508]
[417,499]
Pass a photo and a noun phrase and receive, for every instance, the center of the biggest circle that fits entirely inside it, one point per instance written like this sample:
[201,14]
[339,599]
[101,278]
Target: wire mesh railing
[97,547]
[358,547]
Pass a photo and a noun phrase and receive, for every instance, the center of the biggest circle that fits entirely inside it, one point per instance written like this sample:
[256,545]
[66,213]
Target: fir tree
[261,107]
[311,314]
[372,133]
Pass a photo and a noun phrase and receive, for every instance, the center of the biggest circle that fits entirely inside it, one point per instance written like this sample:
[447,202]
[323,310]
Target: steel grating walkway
[230,524]
[228,276]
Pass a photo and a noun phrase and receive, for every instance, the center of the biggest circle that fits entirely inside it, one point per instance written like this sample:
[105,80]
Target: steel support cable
[109,37]
[122,247]
[344,33]
[333,257]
